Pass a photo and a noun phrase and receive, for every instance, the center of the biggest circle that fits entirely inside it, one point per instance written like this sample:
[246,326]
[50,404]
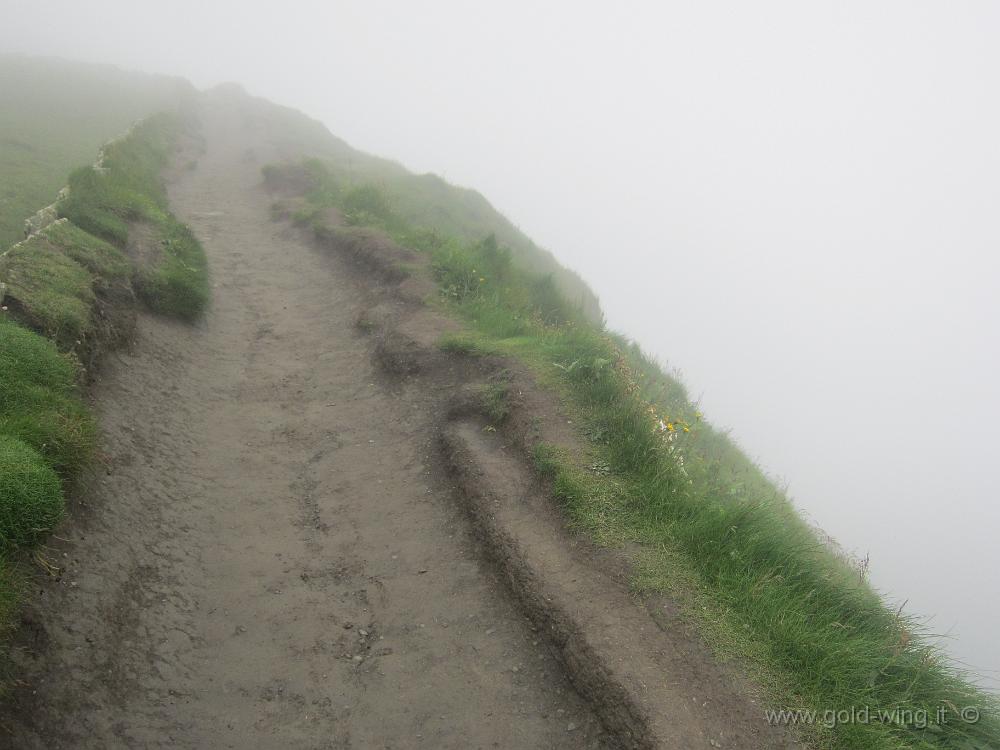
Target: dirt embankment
[301,537]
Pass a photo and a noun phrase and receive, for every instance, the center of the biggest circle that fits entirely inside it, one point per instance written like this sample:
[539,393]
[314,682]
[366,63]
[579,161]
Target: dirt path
[268,561]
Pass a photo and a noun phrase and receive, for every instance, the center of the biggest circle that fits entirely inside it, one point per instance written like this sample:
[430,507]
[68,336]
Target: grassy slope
[55,116]
[711,528]
[63,287]
[420,199]
[128,189]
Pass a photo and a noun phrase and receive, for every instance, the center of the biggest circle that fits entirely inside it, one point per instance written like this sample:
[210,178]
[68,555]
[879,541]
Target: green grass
[46,435]
[178,284]
[64,112]
[30,494]
[57,278]
[54,292]
[461,342]
[710,528]
[496,399]
[129,189]
[39,399]
[56,115]
[106,262]
[369,190]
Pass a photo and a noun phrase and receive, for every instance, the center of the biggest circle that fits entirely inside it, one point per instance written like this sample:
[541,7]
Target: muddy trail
[276,551]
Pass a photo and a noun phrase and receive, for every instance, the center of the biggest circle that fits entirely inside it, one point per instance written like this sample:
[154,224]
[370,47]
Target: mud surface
[266,557]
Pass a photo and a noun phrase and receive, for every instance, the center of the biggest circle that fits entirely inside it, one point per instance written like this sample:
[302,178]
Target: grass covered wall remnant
[125,188]
[53,292]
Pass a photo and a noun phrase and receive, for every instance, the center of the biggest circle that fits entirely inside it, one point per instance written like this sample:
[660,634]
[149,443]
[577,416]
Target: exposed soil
[301,537]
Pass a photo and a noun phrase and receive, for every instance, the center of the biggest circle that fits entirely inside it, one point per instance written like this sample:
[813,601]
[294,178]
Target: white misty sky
[794,203]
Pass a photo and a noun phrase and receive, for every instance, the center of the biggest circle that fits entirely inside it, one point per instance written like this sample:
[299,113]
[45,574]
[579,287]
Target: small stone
[571,727]
[359,658]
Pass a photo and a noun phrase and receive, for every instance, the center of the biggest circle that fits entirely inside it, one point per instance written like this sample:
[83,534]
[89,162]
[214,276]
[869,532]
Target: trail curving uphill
[266,557]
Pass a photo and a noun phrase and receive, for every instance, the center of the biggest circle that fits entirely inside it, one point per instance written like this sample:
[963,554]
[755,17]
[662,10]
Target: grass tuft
[466,343]
[39,402]
[30,494]
[496,398]
[178,283]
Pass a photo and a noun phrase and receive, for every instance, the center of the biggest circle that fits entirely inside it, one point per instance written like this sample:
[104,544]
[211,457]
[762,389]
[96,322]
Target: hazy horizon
[790,204]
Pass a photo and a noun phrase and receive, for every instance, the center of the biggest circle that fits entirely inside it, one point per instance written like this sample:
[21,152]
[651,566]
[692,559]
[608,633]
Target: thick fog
[793,203]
